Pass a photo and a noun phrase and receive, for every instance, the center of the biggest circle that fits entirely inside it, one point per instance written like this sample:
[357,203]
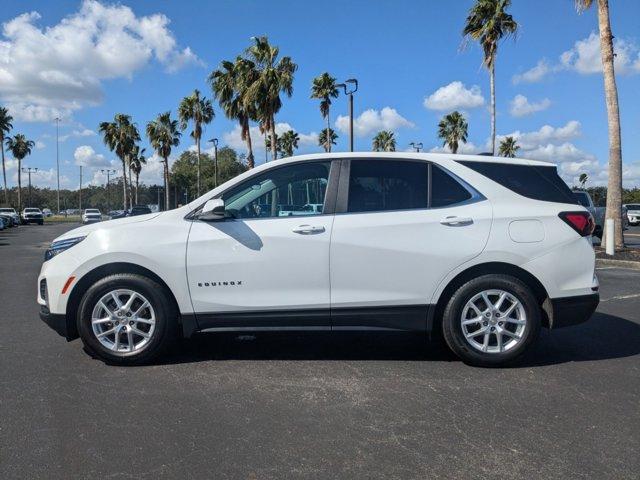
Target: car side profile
[486,250]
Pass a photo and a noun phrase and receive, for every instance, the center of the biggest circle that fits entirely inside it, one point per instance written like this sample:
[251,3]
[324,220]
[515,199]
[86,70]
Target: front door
[267,264]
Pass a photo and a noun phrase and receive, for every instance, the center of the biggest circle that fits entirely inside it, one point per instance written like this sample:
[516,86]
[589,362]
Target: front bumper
[59,323]
[568,311]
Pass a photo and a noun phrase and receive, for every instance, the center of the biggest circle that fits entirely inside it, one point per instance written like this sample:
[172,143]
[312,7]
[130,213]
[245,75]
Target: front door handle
[456,221]
[307,229]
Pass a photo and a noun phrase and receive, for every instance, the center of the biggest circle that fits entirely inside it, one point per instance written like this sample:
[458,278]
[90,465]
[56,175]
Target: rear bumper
[58,322]
[569,311]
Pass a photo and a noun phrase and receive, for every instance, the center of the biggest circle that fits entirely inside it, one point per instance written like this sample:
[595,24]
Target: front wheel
[491,320]
[127,319]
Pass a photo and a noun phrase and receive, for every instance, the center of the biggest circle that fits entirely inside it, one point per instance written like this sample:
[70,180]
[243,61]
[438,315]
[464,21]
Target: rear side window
[445,190]
[379,185]
[531,181]
[582,198]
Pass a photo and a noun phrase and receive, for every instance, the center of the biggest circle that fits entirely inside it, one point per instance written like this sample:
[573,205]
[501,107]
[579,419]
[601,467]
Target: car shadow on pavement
[602,337]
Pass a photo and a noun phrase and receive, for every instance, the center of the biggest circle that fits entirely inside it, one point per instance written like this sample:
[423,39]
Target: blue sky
[86,61]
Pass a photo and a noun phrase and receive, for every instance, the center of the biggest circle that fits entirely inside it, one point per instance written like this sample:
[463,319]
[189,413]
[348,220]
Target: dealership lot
[316,406]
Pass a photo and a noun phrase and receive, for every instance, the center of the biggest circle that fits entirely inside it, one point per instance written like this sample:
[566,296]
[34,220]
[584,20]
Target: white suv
[486,250]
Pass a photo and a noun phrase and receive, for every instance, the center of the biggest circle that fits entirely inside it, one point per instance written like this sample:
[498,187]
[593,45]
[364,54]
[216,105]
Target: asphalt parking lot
[315,406]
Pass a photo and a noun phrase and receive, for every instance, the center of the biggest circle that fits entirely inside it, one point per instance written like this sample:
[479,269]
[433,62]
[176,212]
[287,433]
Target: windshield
[92,210]
[633,206]
[32,210]
[7,210]
[582,198]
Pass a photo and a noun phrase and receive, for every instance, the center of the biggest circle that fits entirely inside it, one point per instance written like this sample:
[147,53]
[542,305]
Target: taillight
[581,222]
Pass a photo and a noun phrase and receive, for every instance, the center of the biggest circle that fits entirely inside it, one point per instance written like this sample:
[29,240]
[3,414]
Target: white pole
[610,241]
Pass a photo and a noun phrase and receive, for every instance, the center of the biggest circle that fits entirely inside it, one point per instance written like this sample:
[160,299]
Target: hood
[106,225]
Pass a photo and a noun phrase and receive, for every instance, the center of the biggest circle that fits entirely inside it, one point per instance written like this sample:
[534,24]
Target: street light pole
[416,146]
[215,160]
[354,89]
[80,194]
[29,170]
[58,162]
[108,172]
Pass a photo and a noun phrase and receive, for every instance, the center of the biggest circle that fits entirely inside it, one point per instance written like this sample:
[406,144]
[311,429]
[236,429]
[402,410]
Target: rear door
[400,227]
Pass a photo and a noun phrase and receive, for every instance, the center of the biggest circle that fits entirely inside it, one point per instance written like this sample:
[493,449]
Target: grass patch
[63,219]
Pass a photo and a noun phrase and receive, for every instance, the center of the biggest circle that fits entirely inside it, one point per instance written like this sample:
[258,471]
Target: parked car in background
[487,250]
[2,223]
[138,210]
[91,215]
[633,213]
[8,220]
[598,213]
[32,215]
[46,212]
[113,214]
[12,213]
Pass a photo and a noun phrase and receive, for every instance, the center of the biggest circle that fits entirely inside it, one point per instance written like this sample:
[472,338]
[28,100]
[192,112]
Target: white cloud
[546,134]
[584,57]
[454,96]
[82,132]
[40,145]
[52,71]
[534,74]
[86,156]
[371,121]
[520,106]
[468,148]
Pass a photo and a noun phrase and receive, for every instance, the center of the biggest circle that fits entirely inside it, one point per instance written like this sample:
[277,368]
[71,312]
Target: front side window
[379,185]
[289,191]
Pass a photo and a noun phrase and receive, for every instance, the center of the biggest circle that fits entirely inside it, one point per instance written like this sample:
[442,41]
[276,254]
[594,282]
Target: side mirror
[213,210]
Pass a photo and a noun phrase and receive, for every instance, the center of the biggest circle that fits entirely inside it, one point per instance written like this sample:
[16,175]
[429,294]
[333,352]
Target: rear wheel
[127,319]
[491,320]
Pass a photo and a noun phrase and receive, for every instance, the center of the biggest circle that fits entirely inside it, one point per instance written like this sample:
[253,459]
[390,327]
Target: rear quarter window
[532,181]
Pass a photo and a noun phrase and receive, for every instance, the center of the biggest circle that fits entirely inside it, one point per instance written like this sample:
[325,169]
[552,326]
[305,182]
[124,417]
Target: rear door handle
[307,229]
[456,221]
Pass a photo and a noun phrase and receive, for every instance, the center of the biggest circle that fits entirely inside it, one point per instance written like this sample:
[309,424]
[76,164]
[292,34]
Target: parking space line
[621,297]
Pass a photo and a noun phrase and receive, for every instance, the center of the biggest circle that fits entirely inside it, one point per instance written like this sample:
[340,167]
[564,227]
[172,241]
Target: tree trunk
[198,181]
[19,186]
[130,186]
[614,186]
[4,172]
[492,77]
[166,184]
[137,182]
[272,135]
[250,160]
[328,149]
[124,186]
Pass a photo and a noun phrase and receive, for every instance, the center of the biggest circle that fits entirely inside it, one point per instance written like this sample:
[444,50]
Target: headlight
[61,246]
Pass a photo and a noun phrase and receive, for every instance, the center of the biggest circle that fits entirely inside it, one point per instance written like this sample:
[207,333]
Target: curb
[605,262]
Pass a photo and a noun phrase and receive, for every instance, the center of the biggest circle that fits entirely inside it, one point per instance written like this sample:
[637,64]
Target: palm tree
[19,147]
[288,142]
[614,185]
[324,88]
[324,142]
[163,134]
[272,77]
[138,159]
[121,136]
[200,111]
[452,129]
[384,141]
[508,147]
[487,23]
[583,178]
[229,84]
[5,128]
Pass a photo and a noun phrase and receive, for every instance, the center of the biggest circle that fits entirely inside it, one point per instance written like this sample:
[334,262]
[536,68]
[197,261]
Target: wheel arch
[96,274]
[435,320]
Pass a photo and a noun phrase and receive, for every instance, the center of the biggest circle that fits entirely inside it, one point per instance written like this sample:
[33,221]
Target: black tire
[41,222]
[452,316]
[166,318]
